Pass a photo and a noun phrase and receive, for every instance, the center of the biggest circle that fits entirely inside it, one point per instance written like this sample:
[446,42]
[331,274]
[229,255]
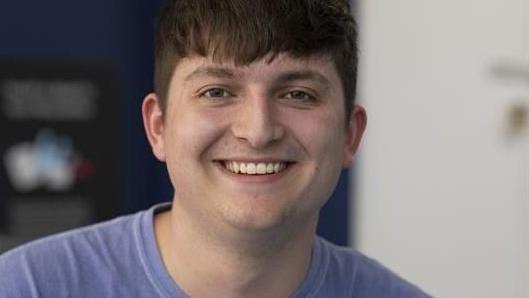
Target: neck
[271,264]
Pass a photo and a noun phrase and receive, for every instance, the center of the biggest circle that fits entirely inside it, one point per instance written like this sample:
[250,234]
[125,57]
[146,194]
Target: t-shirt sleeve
[48,267]
[17,277]
[375,280]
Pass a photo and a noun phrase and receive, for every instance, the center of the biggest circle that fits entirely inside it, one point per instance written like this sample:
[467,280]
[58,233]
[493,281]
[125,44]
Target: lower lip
[256,178]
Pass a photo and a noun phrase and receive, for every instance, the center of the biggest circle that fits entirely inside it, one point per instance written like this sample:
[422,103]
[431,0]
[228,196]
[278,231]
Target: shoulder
[66,258]
[365,276]
[99,235]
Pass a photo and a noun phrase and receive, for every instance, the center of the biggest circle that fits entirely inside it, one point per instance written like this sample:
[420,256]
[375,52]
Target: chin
[258,219]
[275,220]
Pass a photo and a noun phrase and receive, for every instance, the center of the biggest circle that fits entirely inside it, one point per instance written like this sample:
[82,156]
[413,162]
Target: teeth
[251,168]
[261,168]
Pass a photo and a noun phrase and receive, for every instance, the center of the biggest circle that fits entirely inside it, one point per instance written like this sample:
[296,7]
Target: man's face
[257,146]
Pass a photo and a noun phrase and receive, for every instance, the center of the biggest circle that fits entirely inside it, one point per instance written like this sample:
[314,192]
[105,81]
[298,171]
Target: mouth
[255,168]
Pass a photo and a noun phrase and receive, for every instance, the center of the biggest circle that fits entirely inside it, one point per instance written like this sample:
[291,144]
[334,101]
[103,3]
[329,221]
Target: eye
[300,96]
[216,93]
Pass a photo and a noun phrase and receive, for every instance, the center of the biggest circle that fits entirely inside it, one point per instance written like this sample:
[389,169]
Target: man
[254,116]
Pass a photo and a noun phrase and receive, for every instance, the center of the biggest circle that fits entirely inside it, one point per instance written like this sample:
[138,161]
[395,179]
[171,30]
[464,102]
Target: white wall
[442,189]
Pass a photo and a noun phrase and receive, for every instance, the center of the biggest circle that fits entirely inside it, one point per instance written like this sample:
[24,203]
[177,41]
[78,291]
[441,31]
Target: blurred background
[72,78]
[440,192]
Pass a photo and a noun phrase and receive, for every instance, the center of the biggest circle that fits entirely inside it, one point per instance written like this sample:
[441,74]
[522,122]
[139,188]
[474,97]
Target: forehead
[317,68]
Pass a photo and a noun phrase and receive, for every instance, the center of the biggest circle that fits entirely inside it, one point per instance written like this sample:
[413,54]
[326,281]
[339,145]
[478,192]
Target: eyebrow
[210,71]
[300,75]
[289,76]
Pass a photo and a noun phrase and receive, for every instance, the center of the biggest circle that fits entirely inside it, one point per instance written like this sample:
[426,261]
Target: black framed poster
[58,147]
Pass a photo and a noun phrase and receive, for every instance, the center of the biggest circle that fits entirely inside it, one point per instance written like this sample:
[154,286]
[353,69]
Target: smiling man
[254,115]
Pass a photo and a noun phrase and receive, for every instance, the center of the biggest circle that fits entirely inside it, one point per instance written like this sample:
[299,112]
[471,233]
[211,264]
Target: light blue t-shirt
[120,258]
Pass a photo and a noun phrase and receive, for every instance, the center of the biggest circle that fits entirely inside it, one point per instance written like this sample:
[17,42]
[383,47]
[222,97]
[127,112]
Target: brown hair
[246,30]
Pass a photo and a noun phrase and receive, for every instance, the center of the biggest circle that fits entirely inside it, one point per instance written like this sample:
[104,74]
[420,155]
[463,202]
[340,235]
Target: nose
[257,123]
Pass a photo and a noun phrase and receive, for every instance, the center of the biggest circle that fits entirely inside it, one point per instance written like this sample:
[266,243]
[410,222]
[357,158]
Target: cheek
[191,133]
[188,136]
[322,138]
[321,133]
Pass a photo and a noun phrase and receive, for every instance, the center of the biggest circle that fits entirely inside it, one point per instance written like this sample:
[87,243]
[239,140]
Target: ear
[153,123]
[354,132]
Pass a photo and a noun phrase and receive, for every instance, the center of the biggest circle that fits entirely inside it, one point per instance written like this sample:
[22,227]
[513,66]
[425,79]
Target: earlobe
[355,131]
[154,125]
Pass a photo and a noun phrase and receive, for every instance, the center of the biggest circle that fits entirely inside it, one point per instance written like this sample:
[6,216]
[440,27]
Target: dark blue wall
[114,32]
[118,33]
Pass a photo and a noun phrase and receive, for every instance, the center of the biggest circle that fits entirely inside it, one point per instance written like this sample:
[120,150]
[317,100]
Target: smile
[254,168]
